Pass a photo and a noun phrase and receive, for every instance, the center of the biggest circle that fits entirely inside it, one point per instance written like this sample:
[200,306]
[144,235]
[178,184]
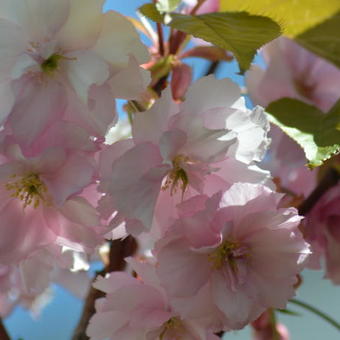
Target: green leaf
[296,16]
[240,33]
[167,5]
[151,11]
[316,132]
[323,39]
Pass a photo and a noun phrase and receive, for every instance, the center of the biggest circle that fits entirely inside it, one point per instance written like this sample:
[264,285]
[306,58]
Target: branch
[317,312]
[212,68]
[3,332]
[160,37]
[329,180]
[196,8]
[119,250]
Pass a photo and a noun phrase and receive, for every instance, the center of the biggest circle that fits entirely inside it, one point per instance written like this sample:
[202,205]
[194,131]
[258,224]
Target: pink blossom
[207,6]
[136,309]
[240,247]
[321,228]
[42,202]
[66,62]
[288,163]
[27,283]
[296,73]
[176,147]
[62,134]
[293,72]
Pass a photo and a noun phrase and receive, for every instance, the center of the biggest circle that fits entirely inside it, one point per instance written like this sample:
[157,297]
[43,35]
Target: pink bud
[181,79]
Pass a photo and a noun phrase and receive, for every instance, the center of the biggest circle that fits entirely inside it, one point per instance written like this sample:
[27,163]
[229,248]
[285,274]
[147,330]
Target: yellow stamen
[29,189]
[173,326]
[227,253]
[177,177]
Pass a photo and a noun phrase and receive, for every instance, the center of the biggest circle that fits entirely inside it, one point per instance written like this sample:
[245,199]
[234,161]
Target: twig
[119,249]
[196,8]
[212,68]
[3,332]
[317,312]
[330,179]
[160,37]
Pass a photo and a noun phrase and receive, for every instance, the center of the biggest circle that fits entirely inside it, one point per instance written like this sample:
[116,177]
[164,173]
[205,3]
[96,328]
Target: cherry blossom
[28,282]
[321,229]
[296,73]
[176,147]
[42,202]
[66,60]
[240,247]
[137,309]
[293,72]
[206,7]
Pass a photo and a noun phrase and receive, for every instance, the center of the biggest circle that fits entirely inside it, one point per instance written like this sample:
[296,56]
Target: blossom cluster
[294,72]
[218,245]
[59,79]
[188,179]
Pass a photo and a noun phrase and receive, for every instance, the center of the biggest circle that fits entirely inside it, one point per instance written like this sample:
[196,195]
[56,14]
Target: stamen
[29,189]
[173,326]
[177,177]
[227,253]
[51,64]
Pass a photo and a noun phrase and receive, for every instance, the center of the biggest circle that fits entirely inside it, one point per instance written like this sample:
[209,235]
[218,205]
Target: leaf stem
[316,311]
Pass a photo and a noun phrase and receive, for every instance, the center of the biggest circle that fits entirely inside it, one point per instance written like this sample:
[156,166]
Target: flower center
[228,253]
[29,189]
[172,329]
[51,63]
[177,177]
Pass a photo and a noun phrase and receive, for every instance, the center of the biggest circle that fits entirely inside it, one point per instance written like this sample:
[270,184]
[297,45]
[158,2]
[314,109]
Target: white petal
[118,40]
[41,19]
[87,69]
[222,93]
[83,25]
[130,82]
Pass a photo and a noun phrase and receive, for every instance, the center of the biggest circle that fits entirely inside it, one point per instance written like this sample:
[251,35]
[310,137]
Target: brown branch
[3,332]
[160,37]
[178,37]
[196,8]
[212,68]
[329,180]
[119,249]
